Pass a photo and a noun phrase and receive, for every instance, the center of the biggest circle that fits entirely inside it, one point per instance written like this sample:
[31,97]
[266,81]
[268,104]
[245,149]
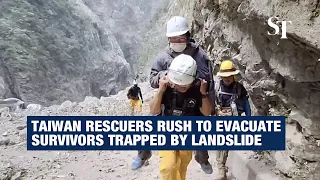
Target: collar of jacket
[230,85]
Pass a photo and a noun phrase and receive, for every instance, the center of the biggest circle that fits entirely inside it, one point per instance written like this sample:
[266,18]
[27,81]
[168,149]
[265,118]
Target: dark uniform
[182,104]
[133,94]
[179,104]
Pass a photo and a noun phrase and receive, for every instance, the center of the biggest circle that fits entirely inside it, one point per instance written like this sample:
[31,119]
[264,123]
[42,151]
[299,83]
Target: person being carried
[180,94]
[231,100]
[133,94]
[180,42]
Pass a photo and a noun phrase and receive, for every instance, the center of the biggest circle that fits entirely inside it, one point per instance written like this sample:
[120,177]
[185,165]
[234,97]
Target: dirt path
[16,161]
[87,165]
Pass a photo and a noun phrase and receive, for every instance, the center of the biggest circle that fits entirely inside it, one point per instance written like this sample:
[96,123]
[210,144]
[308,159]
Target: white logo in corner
[276,27]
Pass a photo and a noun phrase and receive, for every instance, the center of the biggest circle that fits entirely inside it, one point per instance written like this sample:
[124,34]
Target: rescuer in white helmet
[180,42]
[181,94]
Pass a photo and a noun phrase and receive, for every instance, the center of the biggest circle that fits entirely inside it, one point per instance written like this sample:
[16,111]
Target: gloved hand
[203,87]
[163,83]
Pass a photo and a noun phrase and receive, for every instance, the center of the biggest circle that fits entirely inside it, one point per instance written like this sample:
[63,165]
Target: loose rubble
[17,163]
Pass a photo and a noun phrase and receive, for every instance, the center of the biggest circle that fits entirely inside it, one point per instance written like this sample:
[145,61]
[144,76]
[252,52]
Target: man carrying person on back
[179,39]
[180,94]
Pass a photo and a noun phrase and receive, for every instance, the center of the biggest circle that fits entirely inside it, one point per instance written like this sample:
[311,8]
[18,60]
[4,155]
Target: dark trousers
[201,156]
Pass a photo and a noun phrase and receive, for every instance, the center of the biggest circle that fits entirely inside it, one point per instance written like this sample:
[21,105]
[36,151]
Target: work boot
[138,163]
[206,167]
[222,174]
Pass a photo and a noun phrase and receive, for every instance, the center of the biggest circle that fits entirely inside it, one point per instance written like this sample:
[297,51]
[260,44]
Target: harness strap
[184,106]
[217,89]
[219,92]
[225,93]
[174,99]
[174,103]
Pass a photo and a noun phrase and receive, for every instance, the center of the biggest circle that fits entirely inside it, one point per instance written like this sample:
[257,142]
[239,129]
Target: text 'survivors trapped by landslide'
[155,133]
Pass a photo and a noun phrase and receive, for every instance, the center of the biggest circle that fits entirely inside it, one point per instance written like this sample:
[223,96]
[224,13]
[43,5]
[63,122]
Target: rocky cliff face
[281,75]
[154,40]
[53,51]
[129,22]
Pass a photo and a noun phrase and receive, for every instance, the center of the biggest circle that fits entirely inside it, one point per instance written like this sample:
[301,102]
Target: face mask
[178,47]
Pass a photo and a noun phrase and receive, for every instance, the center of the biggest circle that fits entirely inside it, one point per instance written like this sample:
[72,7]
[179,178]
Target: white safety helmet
[135,82]
[182,70]
[177,26]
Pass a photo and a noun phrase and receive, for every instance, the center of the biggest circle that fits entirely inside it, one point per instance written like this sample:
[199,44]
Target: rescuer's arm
[155,104]
[157,70]
[129,94]
[206,106]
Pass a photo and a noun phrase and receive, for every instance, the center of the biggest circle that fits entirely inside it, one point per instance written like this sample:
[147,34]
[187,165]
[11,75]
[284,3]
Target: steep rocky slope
[53,51]
[154,40]
[129,22]
[281,75]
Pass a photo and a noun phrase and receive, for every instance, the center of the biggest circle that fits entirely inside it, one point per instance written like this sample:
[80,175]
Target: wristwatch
[204,95]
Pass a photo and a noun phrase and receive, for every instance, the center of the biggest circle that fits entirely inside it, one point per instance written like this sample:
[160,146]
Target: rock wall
[282,76]
[56,50]
[154,40]
[129,21]
[53,51]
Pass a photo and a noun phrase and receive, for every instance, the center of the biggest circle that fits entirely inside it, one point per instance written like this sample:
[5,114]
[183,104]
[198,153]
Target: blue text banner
[156,133]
